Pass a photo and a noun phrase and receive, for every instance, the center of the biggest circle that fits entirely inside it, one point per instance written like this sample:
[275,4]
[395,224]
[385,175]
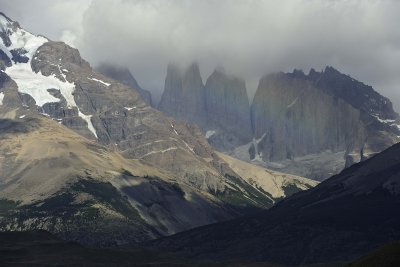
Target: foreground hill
[386,256]
[40,248]
[341,219]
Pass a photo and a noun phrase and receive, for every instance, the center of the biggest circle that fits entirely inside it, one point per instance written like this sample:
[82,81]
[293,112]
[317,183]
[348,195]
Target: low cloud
[248,38]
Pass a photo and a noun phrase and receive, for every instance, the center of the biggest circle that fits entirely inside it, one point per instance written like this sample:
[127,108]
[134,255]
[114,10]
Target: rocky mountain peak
[123,75]
[220,107]
[220,74]
[184,94]
[228,115]
[297,73]
[358,94]
[296,106]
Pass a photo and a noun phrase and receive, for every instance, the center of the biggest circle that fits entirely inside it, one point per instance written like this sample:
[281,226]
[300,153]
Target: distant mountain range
[85,157]
[310,125]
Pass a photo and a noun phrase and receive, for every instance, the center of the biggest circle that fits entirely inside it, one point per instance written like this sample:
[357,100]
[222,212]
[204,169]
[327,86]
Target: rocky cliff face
[295,115]
[293,118]
[228,116]
[124,76]
[311,125]
[220,107]
[357,94]
[184,95]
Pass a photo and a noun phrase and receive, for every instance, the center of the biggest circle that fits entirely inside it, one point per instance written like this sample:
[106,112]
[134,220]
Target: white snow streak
[209,134]
[159,151]
[174,129]
[292,104]
[1,98]
[100,81]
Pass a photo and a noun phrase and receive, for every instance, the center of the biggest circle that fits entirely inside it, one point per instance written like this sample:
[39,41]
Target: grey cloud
[249,37]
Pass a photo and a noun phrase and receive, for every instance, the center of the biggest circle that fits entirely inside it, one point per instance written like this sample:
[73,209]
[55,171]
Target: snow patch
[387,121]
[22,116]
[292,104]
[37,85]
[1,98]
[88,120]
[100,81]
[174,129]
[23,39]
[159,151]
[382,120]
[128,108]
[209,134]
[258,156]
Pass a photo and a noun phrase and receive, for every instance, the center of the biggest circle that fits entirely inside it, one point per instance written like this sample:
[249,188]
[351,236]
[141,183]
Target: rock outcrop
[295,115]
[123,75]
[220,107]
[311,125]
[184,95]
[357,94]
[293,118]
[228,115]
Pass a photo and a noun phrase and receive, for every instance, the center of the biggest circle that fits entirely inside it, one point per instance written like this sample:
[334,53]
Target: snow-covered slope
[21,46]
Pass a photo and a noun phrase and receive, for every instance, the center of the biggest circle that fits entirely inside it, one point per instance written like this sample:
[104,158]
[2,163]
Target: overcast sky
[248,38]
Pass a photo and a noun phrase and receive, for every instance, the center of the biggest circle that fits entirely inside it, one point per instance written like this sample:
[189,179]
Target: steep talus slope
[123,75]
[342,218]
[186,184]
[278,185]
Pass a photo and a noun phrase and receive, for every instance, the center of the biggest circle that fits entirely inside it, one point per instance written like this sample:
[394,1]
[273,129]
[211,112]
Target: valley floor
[40,248]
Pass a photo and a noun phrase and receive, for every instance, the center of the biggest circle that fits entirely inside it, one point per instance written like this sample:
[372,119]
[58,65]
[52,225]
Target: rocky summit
[86,158]
[228,116]
[184,95]
[124,76]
